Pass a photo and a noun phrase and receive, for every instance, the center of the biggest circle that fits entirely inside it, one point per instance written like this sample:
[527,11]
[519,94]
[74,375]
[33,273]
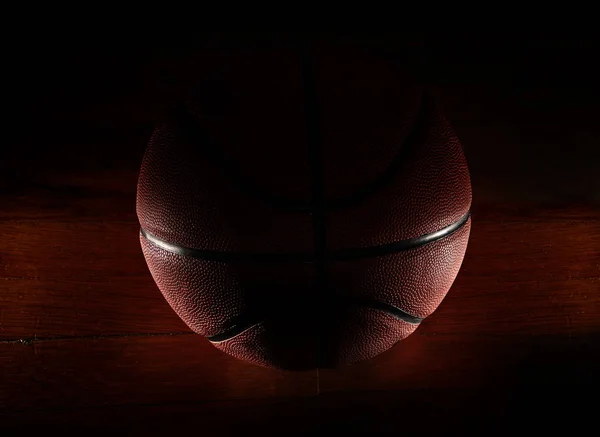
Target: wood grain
[97,282]
[82,291]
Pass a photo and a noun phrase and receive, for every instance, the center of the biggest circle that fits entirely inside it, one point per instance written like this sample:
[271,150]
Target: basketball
[304,211]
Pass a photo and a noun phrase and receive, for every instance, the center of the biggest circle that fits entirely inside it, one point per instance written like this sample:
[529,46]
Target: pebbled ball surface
[361,334]
[251,345]
[185,198]
[205,294]
[414,280]
[429,190]
[231,172]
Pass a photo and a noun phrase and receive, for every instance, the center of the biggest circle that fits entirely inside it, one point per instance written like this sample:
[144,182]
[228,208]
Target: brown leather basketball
[304,211]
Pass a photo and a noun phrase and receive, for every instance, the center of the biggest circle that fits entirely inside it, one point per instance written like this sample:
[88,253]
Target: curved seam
[390,310]
[232,332]
[399,246]
[308,257]
[239,328]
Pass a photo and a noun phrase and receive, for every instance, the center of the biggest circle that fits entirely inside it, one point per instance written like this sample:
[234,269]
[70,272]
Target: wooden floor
[87,340]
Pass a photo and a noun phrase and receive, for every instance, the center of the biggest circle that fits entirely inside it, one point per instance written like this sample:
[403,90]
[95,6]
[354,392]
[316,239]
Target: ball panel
[414,281]
[206,295]
[187,197]
[184,198]
[209,295]
[251,346]
[359,334]
[430,190]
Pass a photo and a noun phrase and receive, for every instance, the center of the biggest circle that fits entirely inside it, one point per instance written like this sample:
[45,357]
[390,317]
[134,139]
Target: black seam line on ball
[399,246]
[242,323]
[386,308]
[339,255]
[251,319]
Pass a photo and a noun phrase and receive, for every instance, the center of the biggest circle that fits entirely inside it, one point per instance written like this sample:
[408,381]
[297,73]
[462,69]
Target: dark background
[85,334]
[537,92]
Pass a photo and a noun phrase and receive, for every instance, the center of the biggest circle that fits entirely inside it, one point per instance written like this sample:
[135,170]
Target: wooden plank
[513,309]
[66,277]
[88,194]
[74,279]
[534,211]
[152,369]
[523,250]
